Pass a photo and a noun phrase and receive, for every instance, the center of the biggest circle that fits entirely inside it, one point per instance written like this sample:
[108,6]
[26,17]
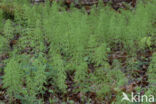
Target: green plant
[151,74]
[34,77]
[12,79]
[4,44]
[60,77]
[8,30]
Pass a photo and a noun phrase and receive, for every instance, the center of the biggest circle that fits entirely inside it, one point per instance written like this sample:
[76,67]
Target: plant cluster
[53,53]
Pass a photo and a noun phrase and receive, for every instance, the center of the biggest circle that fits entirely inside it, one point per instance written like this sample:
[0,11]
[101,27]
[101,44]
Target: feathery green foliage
[151,74]
[8,30]
[53,43]
[12,78]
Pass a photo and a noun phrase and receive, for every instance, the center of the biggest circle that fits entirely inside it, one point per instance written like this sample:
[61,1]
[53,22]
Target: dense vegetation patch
[48,55]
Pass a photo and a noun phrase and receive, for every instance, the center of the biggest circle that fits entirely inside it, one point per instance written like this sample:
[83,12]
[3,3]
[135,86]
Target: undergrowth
[52,43]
